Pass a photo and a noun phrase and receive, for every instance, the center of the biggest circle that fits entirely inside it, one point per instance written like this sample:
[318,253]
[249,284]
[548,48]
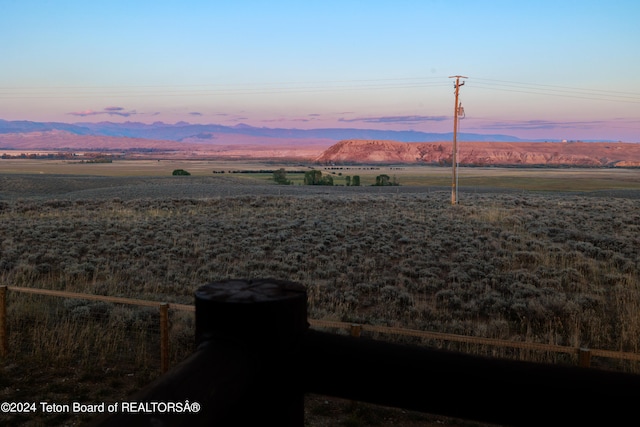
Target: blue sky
[544,69]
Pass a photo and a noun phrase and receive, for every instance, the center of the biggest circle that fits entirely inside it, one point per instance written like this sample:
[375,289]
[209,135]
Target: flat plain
[538,255]
[519,178]
[438,265]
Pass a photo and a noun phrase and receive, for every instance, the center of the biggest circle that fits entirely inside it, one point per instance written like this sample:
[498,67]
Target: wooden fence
[583,355]
[163,308]
[256,358]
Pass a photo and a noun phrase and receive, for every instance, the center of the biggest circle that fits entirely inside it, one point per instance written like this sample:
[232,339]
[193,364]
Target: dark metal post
[246,369]
[266,318]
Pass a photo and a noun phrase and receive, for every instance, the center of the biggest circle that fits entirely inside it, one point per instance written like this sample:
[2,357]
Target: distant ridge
[585,154]
[327,146]
[182,130]
[23,126]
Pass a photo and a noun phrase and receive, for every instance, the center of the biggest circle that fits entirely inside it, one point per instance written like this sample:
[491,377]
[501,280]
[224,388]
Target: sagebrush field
[550,267]
[559,268]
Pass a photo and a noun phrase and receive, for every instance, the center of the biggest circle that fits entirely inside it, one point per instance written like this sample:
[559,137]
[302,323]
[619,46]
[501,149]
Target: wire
[312,87]
[551,86]
[557,91]
[204,93]
[225,85]
[217,90]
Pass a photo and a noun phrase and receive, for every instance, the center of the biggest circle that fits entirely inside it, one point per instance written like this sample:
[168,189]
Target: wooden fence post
[584,357]
[356,330]
[164,337]
[4,342]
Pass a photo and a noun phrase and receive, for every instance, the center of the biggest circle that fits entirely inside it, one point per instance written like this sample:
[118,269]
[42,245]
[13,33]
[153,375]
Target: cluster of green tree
[352,181]
[180,172]
[351,167]
[54,156]
[106,159]
[260,171]
[280,177]
[314,177]
[384,180]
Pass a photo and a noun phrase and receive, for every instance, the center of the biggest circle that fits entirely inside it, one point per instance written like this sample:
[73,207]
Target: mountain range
[326,146]
[183,131]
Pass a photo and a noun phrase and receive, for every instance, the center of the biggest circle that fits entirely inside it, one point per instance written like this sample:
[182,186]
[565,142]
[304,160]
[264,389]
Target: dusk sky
[544,69]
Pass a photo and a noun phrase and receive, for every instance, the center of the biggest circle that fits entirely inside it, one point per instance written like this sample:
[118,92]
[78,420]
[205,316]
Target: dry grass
[403,258]
[560,268]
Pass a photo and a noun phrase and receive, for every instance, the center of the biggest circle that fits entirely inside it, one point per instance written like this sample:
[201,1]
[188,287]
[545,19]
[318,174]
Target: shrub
[180,172]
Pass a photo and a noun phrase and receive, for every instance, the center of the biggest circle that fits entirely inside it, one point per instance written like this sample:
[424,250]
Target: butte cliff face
[592,154]
[371,151]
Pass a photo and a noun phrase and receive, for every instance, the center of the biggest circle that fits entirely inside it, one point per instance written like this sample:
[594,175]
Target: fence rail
[163,308]
[256,358]
[583,354]
[466,339]
[102,298]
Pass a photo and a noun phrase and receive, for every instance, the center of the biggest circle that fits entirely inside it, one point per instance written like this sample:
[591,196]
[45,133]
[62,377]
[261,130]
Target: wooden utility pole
[456,112]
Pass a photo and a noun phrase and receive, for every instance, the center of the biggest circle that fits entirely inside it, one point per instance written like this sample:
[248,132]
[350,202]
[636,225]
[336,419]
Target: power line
[592,98]
[501,82]
[207,90]
[236,92]
[226,85]
[558,91]
[221,90]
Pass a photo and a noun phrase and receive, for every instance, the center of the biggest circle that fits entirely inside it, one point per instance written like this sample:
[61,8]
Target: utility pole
[457,111]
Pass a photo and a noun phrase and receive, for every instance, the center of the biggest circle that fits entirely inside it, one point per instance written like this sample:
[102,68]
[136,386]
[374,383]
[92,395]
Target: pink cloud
[397,119]
[111,111]
[84,113]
